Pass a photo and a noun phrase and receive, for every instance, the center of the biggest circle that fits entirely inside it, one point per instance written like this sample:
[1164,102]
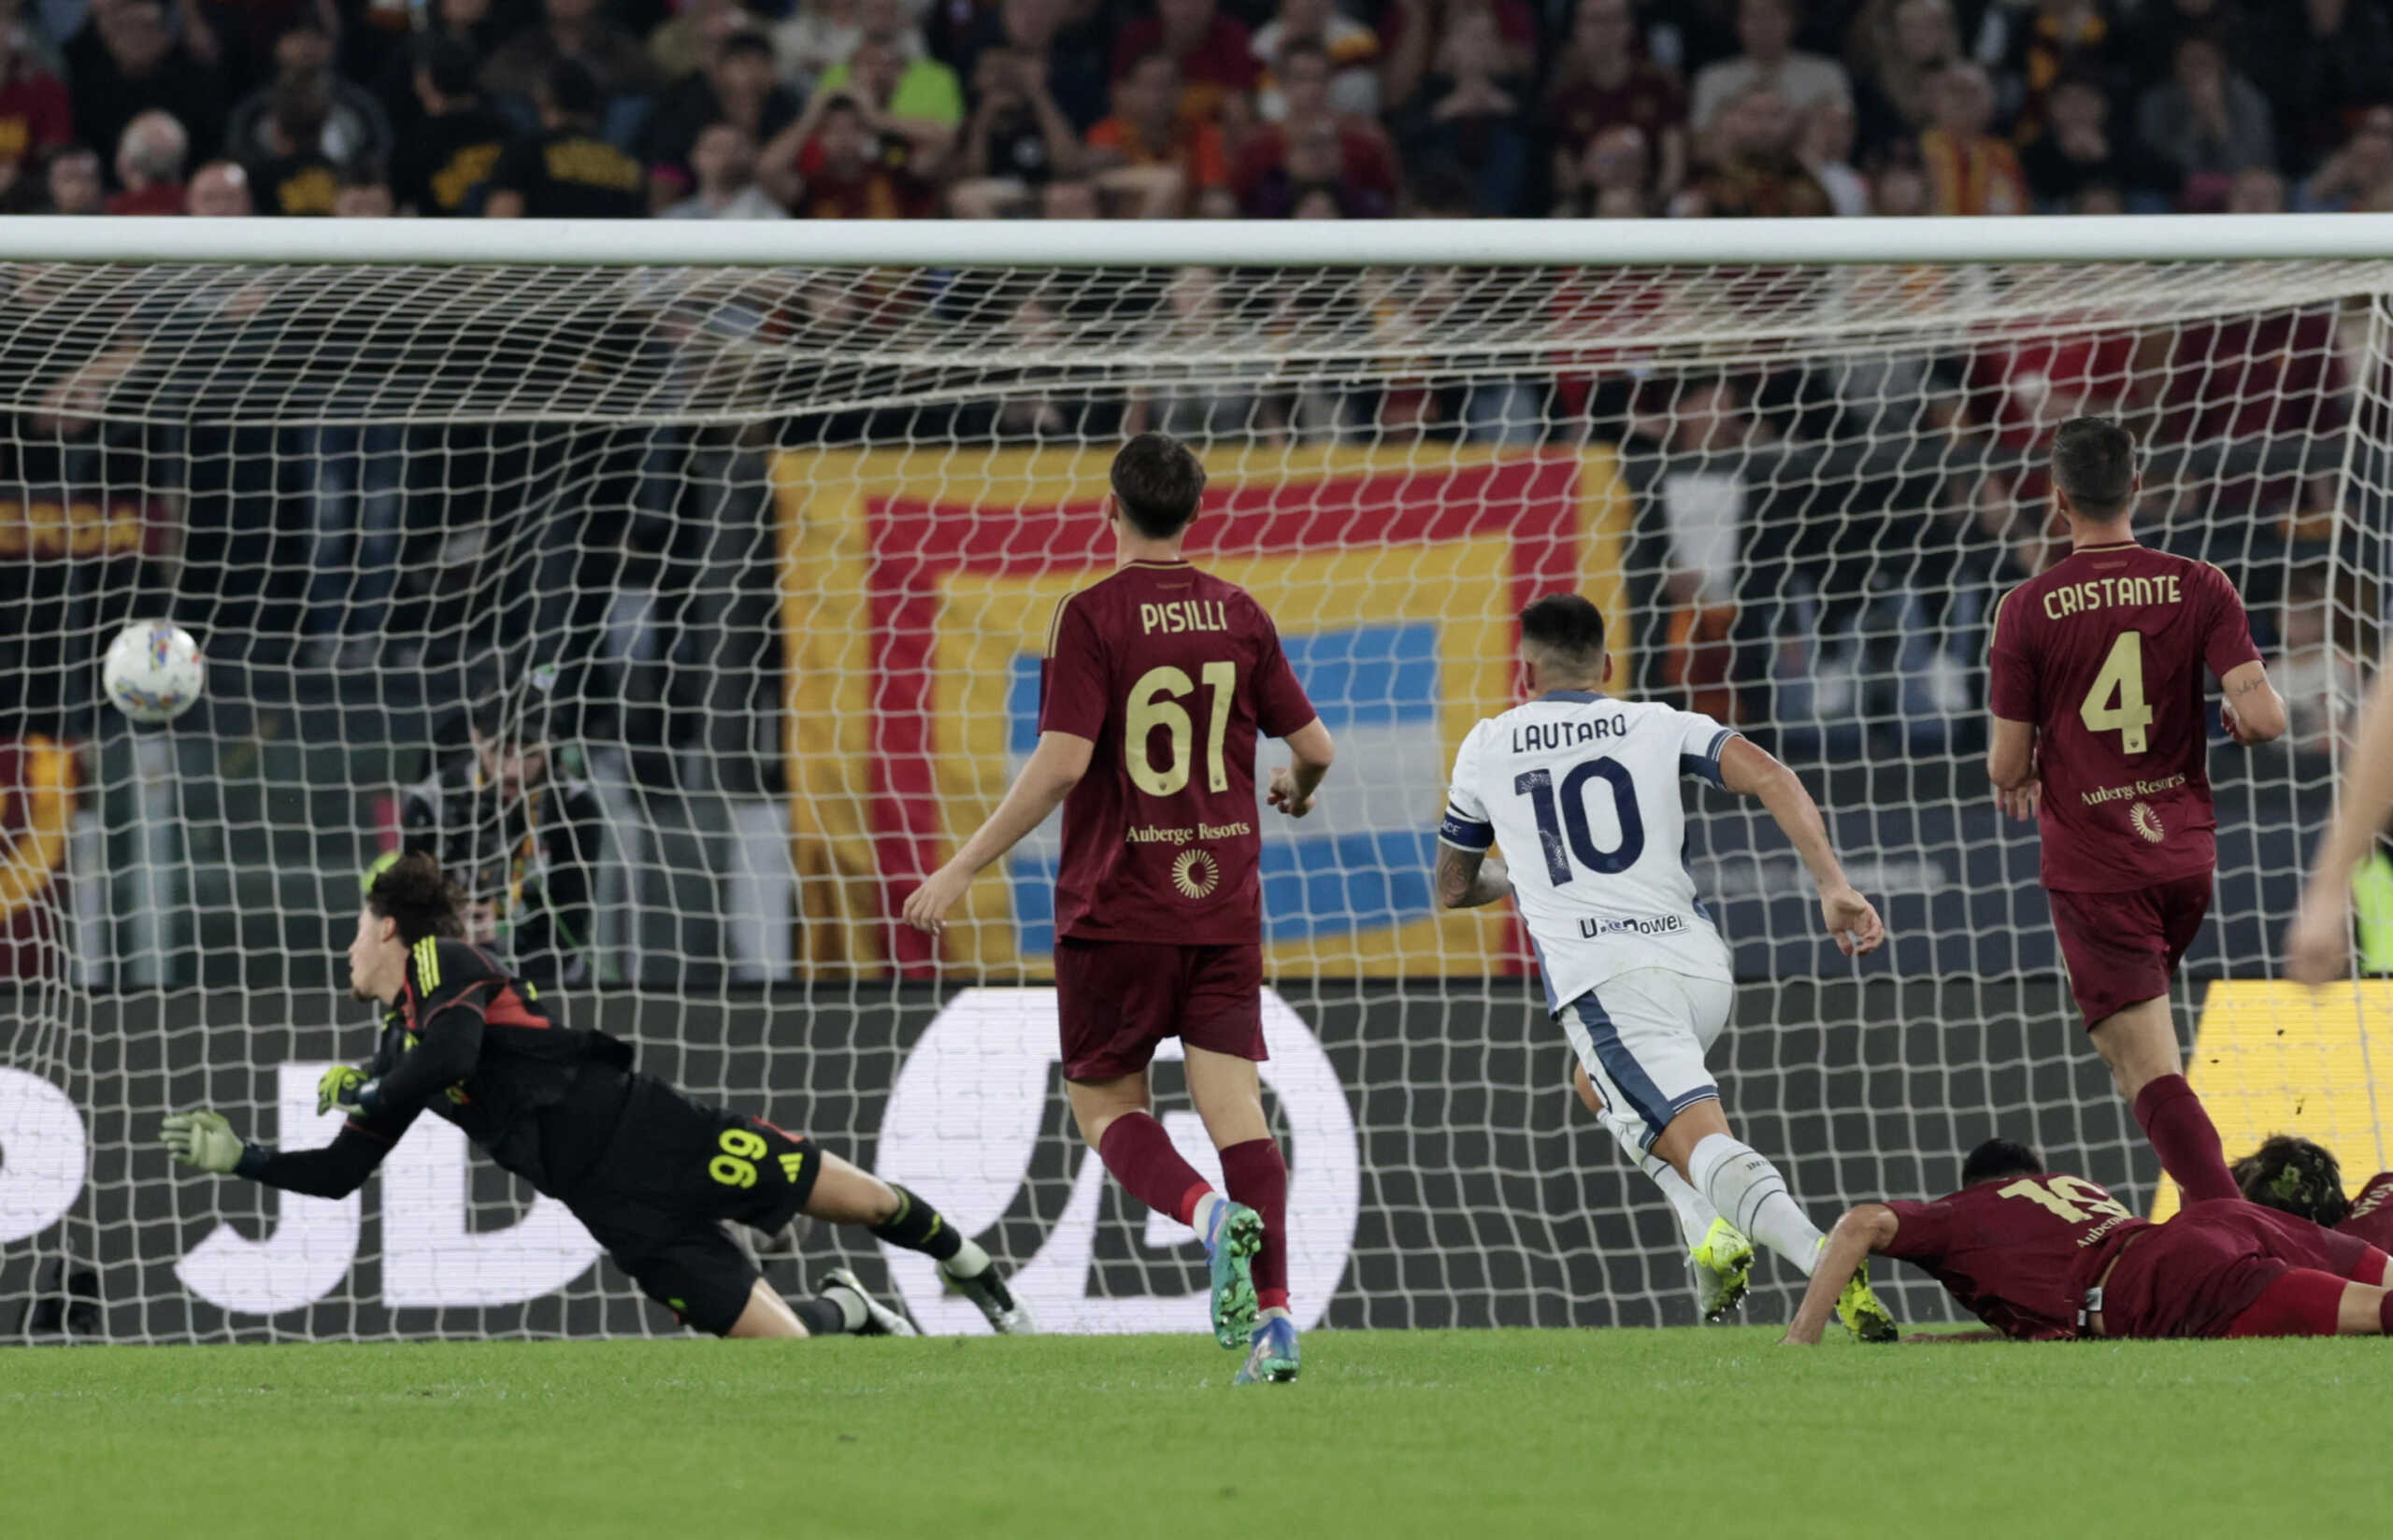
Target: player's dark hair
[1998,1158]
[1567,629]
[2295,1176]
[571,90]
[2093,462]
[1158,483]
[416,892]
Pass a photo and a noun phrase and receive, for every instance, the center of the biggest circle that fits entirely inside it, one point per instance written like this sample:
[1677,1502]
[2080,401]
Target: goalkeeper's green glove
[203,1139]
[341,1087]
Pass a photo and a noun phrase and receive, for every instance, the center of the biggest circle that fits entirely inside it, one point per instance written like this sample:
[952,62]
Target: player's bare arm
[2318,943]
[1865,1230]
[1468,878]
[1056,766]
[1310,752]
[1751,771]
[2010,764]
[2253,711]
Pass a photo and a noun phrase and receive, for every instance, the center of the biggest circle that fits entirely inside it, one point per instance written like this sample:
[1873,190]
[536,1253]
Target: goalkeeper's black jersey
[470,1042]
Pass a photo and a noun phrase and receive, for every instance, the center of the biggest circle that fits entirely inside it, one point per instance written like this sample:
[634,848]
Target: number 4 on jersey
[2122,677]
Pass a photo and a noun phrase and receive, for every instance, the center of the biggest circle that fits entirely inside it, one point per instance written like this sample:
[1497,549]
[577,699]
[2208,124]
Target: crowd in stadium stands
[1268,108]
[1878,502]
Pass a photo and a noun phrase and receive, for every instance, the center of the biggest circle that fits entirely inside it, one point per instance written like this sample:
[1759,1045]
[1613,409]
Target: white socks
[1202,1221]
[1694,1213]
[1749,1193]
[970,1261]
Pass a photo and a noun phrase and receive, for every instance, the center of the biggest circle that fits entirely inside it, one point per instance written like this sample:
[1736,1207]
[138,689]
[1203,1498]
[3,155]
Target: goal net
[693,611]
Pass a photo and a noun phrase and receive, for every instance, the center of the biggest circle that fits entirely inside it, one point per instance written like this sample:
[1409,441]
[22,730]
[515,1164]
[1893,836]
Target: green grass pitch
[1474,1435]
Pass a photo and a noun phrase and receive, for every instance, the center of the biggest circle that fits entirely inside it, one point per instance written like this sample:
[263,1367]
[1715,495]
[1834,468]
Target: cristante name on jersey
[1185,614]
[1642,925]
[1531,738]
[1159,833]
[2108,592]
[2101,795]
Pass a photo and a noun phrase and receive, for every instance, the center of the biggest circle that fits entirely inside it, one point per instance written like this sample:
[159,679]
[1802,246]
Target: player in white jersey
[1584,791]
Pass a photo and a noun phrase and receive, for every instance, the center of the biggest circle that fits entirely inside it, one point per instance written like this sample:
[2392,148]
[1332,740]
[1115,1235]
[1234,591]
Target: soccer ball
[153,671]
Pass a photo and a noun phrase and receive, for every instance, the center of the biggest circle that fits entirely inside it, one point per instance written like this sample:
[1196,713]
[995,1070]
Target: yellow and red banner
[36,812]
[917,587]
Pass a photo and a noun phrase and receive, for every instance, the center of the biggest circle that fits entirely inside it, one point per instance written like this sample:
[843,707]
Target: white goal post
[763,524]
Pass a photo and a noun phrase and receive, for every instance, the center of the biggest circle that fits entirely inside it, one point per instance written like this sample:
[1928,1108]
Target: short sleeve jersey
[2371,1213]
[2104,655]
[1584,794]
[2017,1251]
[1173,674]
[566,174]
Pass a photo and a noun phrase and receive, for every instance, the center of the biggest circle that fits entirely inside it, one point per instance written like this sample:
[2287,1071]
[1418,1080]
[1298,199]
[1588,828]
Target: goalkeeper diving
[650,1172]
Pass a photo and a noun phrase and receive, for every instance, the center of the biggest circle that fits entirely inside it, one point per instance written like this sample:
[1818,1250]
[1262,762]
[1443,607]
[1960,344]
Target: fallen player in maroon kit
[2292,1176]
[2044,1256]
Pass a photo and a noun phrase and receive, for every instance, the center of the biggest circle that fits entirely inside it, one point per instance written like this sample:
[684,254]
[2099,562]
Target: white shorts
[1642,1035]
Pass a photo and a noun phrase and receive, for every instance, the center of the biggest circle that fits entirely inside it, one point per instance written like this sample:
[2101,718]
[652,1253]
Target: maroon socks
[1139,1153]
[2181,1134]
[1258,1176]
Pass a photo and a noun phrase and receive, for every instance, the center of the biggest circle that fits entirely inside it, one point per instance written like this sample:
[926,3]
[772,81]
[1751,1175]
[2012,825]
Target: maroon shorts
[2123,948]
[1116,1000]
[2192,1277]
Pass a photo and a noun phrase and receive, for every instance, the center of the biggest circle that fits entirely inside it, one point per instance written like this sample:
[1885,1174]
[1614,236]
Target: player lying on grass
[2042,1256]
[2099,734]
[1158,680]
[652,1173]
[2295,1176]
[1584,792]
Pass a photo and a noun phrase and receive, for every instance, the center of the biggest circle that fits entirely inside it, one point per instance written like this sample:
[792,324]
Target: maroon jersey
[2371,1216]
[2017,1251]
[1171,673]
[2104,654]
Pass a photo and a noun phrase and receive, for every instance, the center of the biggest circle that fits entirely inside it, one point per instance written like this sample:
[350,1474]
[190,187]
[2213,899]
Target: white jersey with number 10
[1582,791]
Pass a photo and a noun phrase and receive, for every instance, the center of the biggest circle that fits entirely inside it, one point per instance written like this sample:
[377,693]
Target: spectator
[2061,39]
[683,42]
[1754,172]
[1468,117]
[71,181]
[1305,76]
[569,30]
[908,86]
[2076,149]
[1411,29]
[2360,174]
[1352,48]
[1212,54]
[725,163]
[1901,190]
[365,195]
[2256,191]
[35,117]
[1072,59]
[150,157]
[1901,49]
[1825,147]
[219,191]
[295,178]
[1018,140]
[841,162]
[1314,173]
[1970,170]
[817,35]
[736,86]
[1613,178]
[1603,80]
[2205,123]
[125,63]
[2335,59]
[466,24]
[2154,28]
[1150,150]
[1765,30]
[566,171]
[355,126]
[441,166]
[238,38]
